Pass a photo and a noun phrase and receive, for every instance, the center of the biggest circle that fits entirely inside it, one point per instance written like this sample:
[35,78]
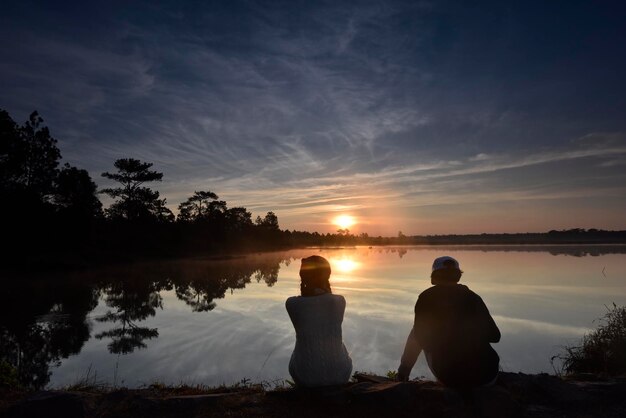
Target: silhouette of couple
[452,327]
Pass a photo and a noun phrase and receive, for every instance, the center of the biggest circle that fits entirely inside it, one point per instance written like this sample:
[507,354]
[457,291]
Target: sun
[344,221]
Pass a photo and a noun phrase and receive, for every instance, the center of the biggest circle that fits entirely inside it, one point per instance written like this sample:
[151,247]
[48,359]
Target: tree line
[53,211]
[50,208]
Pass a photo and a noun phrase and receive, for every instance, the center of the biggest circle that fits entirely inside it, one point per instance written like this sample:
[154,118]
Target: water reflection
[132,302]
[150,313]
[44,321]
[343,265]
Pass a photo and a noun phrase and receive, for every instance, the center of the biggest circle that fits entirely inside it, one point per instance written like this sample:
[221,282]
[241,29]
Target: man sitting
[454,329]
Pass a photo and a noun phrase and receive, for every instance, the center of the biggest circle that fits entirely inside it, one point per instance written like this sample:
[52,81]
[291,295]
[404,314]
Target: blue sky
[425,117]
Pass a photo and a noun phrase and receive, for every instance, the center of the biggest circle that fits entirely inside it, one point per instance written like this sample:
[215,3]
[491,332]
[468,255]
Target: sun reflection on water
[344,265]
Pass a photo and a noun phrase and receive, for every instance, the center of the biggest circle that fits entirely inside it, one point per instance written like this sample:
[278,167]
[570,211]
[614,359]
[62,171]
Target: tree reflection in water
[198,284]
[133,300]
[43,321]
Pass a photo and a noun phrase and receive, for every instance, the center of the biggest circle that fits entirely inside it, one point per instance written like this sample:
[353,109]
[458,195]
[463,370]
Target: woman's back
[320,357]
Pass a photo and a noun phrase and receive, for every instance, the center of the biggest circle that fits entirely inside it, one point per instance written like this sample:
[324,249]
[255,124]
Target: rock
[50,404]
[494,402]
[515,395]
[410,398]
[395,395]
[336,395]
[556,390]
[127,403]
[192,401]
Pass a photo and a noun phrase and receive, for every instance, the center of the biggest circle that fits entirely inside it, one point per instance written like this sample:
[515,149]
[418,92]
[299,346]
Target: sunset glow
[376,126]
[344,221]
[344,265]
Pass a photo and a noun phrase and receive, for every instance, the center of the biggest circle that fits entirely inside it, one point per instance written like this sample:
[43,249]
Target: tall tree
[238,219]
[28,170]
[134,201]
[41,157]
[11,151]
[269,222]
[201,206]
[29,156]
[76,194]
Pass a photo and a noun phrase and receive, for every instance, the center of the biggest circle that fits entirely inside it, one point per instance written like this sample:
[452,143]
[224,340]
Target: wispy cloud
[323,107]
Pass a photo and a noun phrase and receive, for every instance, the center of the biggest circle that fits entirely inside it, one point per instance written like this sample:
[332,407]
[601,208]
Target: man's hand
[403,374]
[412,350]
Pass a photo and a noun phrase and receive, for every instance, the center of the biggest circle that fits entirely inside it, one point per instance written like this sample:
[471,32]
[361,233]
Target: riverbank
[514,395]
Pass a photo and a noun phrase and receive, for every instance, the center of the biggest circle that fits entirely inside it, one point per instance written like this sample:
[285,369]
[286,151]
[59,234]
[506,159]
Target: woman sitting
[320,358]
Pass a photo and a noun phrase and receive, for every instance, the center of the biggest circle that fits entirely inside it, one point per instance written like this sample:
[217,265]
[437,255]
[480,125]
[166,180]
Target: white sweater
[319,358]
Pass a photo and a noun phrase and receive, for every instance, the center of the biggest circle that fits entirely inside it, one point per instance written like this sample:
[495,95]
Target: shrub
[8,375]
[602,351]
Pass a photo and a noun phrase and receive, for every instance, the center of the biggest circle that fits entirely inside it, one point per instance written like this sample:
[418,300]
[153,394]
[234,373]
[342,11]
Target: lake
[222,321]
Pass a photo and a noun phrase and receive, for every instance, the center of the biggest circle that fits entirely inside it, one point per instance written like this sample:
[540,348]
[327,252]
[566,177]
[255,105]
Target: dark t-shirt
[454,328]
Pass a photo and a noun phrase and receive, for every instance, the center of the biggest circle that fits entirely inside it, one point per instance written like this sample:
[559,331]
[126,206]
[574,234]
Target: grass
[90,383]
[392,374]
[602,351]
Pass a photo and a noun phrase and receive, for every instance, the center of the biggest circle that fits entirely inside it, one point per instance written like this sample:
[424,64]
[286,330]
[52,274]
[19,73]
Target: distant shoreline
[576,242]
[566,237]
[577,236]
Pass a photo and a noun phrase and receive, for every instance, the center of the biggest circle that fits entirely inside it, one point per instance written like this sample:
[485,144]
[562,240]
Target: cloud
[315,108]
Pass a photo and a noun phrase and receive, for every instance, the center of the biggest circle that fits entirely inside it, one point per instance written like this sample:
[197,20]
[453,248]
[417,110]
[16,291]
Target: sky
[426,117]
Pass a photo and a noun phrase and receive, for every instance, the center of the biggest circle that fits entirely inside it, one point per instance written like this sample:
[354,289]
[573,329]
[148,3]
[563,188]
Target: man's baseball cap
[445,262]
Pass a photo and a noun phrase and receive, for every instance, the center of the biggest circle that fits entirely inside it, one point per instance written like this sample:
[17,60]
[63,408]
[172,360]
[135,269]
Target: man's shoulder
[469,292]
[327,298]
[439,291]
[427,297]
[426,293]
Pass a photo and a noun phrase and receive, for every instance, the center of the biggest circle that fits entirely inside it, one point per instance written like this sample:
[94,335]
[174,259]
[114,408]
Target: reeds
[602,351]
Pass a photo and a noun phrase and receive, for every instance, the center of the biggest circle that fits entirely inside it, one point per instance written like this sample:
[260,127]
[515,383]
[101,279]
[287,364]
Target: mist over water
[213,322]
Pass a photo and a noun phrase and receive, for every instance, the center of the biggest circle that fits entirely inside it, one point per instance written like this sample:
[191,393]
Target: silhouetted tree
[28,169]
[135,202]
[76,194]
[202,206]
[41,157]
[12,150]
[238,219]
[270,221]
[28,155]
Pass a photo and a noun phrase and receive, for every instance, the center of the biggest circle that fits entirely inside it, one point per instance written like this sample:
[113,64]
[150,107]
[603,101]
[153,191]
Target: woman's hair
[314,274]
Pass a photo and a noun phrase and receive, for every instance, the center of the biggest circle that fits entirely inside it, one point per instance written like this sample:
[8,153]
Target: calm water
[216,322]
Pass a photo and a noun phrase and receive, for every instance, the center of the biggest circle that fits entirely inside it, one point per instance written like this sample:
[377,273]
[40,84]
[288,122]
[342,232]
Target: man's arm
[491,331]
[411,352]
